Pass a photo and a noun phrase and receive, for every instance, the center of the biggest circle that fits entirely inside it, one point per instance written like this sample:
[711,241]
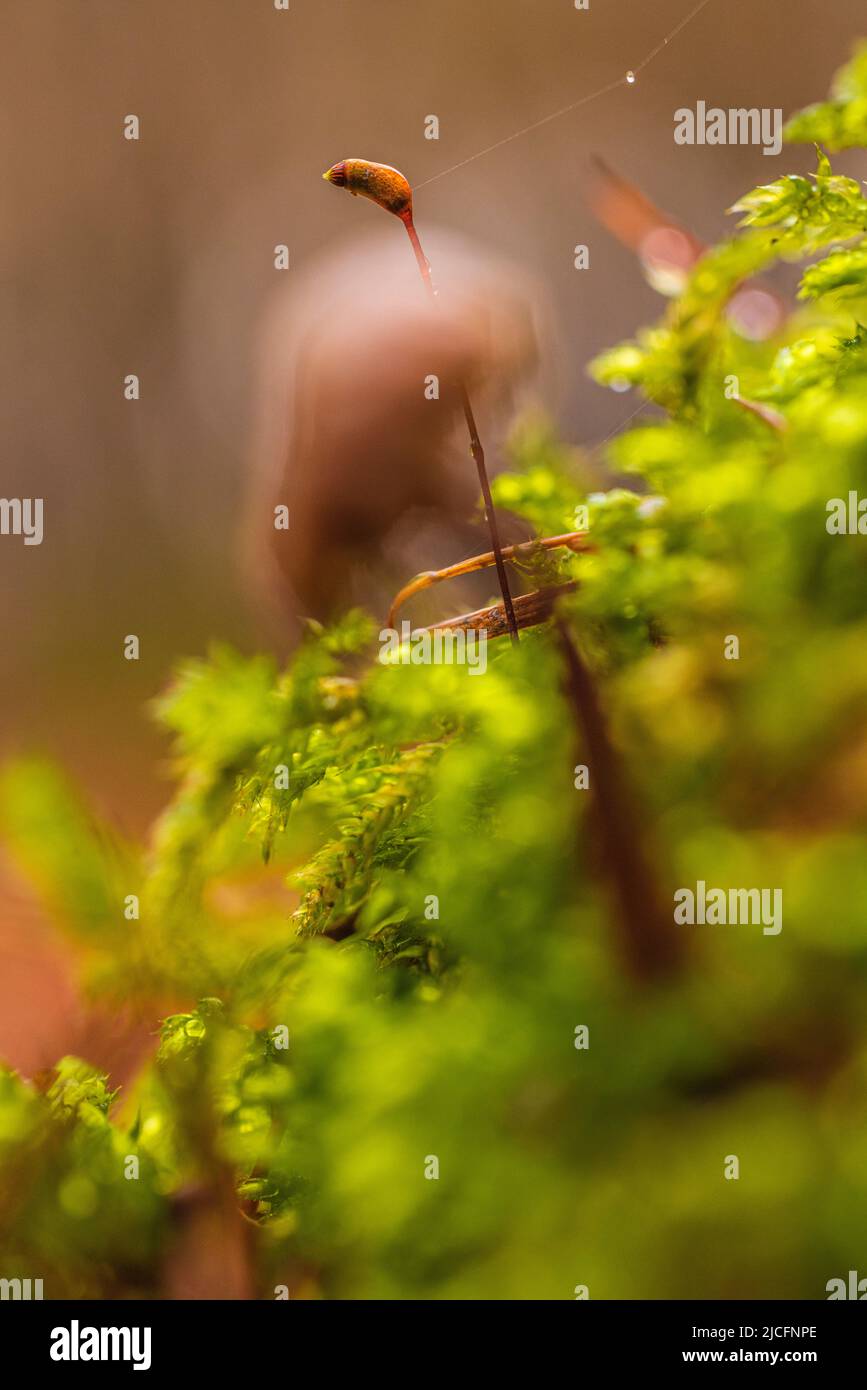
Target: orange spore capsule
[379,182]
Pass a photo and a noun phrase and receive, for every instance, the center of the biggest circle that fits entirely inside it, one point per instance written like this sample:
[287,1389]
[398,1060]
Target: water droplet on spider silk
[630,77]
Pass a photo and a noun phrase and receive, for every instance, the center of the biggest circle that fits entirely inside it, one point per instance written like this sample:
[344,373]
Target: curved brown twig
[766,413]
[529,609]
[570,540]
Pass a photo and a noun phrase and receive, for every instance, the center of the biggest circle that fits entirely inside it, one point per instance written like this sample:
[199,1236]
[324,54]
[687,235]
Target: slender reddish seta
[389,188]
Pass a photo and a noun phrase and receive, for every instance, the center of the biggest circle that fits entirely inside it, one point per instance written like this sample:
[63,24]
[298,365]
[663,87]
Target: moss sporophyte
[391,190]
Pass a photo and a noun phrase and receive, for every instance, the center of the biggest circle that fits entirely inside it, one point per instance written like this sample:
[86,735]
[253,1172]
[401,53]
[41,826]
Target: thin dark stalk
[648,936]
[476,449]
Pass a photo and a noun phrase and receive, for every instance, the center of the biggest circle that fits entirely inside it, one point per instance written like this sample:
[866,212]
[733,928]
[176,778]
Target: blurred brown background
[156,258]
